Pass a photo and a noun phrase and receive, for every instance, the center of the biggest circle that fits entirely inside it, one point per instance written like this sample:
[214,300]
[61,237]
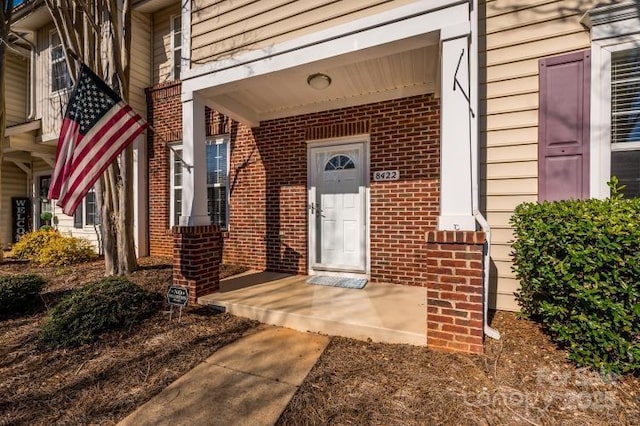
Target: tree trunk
[3,125]
[98,32]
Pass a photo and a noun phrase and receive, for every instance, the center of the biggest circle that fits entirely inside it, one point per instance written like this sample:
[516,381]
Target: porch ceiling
[399,69]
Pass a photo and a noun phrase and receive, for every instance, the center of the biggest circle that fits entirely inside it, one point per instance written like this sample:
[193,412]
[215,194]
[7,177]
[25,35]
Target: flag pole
[166,143]
[153,129]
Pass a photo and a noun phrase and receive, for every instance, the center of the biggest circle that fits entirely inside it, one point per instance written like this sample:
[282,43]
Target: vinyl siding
[222,28]
[14,184]
[65,223]
[162,53]
[16,88]
[49,106]
[514,35]
[141,62]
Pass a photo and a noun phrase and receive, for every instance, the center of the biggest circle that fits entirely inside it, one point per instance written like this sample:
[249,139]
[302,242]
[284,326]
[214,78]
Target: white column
[457,155]
[140,189]
[194,183]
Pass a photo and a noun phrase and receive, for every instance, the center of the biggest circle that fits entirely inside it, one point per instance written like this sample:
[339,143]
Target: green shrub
[108,304]
[31,243]
[578,263]
[50,248]
[65,251]
[18,292]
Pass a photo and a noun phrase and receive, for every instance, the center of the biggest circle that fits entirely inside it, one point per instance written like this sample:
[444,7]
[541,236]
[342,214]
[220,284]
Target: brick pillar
[455,310]
[197,254]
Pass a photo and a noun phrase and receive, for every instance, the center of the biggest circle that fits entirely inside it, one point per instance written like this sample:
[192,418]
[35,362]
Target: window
[217,152]
[217,180]
[176,185]
[44,205]
[60,78]
[625,119]
[339,162]
[92,215]
[176,45]
[87,213]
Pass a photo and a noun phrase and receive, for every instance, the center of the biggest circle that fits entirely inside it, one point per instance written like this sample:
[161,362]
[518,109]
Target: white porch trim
[459,152]
[421,17]
[457,189]
[613,28]
[194,178]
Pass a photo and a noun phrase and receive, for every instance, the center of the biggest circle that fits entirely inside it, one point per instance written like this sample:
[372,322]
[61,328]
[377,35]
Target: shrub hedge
[108,304]
[50,248]
[578,263]
[19,292]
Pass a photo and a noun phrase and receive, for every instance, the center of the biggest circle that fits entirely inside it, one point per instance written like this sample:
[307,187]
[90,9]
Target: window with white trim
[176,45]
[87,212]
[217,152]
[217,181]
[59,73]
[175,185]
[625,119]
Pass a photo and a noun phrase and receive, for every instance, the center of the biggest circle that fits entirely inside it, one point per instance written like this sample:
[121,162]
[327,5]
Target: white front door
[337,199]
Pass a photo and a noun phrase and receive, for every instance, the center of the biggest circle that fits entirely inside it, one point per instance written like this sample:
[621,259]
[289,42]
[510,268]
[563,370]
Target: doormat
[337,281]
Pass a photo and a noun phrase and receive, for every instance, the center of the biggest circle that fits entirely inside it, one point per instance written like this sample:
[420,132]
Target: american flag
[97,126]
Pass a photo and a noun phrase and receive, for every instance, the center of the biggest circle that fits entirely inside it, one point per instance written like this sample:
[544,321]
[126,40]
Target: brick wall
[268,180]
[164,112]
[455,312]
[271,164]
[197,254]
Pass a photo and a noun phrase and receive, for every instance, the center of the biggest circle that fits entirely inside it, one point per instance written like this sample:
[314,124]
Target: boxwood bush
[108,304]
[19,292]
[578,263]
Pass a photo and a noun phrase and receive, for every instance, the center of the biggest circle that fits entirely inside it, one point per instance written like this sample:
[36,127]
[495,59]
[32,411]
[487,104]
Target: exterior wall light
[319,81]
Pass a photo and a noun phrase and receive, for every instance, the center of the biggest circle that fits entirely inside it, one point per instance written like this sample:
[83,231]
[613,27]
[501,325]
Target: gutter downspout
[491,332]
[473,141]
[32,76]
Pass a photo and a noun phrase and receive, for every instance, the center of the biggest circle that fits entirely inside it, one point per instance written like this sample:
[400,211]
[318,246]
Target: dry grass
[523,379]
[103,382]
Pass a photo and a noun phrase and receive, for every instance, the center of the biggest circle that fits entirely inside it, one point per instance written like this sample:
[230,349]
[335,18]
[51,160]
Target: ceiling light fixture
[319,81]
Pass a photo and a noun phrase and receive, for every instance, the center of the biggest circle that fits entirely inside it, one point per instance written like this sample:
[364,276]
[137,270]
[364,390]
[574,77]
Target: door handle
[313,208]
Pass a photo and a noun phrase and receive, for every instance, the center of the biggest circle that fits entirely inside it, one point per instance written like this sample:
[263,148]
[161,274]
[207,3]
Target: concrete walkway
[249,382]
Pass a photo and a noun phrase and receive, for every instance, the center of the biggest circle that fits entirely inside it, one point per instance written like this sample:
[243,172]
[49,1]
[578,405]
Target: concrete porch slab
[387,313]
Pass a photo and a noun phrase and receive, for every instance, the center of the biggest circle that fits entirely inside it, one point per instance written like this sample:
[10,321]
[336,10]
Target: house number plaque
[386,175]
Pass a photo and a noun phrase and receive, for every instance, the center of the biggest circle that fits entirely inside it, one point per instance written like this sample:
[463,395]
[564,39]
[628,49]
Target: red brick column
[455,310]
[197,254]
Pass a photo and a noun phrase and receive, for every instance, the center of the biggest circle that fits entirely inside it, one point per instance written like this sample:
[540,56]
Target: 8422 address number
[386,175]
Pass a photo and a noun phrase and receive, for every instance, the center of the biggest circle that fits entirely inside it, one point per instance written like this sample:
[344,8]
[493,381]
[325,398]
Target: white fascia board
[417,18]
[185,51]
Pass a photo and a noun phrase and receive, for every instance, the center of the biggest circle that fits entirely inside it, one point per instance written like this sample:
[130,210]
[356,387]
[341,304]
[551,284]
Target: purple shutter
[563,132]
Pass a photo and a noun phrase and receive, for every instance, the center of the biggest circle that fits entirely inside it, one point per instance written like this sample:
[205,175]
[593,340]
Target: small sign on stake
[177,296]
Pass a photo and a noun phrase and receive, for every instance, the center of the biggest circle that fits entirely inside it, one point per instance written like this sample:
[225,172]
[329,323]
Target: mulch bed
[103,382]
[522,379]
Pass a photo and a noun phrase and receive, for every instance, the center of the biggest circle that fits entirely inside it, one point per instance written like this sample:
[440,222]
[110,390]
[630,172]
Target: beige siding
[222,28]
[162,44]
[140,62]
[514,35]
[14,184]
[16,85]
[49,106]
